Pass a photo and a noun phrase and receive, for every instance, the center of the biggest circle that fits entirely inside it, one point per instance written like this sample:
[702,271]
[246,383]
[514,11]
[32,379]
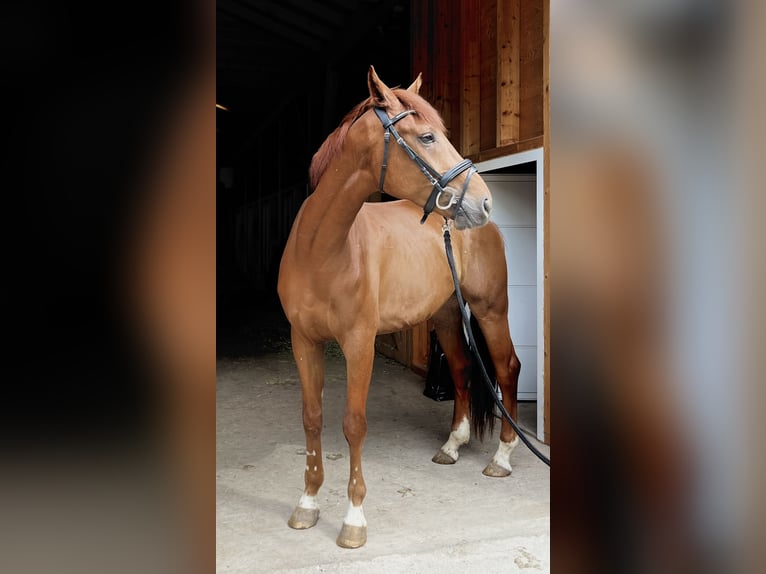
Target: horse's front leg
[309,357]
[359,349]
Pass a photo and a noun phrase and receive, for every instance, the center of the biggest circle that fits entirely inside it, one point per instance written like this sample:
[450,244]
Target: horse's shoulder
[389,214]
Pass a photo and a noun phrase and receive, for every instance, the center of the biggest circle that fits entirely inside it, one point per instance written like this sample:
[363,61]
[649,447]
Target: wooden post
[508,16]
[546,226]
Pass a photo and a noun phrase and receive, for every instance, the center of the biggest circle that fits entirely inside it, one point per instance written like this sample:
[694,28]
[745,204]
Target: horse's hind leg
[449,330]
[494,326]
[309,356]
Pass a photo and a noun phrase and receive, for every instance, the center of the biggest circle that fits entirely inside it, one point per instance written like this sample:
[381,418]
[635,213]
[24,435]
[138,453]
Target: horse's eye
[427,138]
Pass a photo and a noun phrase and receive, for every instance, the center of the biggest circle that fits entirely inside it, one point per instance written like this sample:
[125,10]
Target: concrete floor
[422,517]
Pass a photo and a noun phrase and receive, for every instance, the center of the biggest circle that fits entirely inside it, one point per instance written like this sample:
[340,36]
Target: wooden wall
[485,68]
[482,65]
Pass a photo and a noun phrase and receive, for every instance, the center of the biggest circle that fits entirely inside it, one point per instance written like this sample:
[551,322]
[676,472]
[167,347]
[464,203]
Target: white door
[514,211]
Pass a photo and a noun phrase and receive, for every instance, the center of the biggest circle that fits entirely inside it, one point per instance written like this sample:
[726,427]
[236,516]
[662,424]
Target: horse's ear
[381,94]
[415,86]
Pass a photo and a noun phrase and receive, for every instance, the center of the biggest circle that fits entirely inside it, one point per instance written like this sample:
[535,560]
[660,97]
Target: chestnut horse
[352,270]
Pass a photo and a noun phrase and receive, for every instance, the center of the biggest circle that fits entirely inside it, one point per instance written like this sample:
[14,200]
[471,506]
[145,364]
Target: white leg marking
[503,455]
[309,502]
[355,516]
[457,438]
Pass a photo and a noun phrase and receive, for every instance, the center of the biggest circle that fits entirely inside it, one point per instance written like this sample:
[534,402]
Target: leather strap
[430,173]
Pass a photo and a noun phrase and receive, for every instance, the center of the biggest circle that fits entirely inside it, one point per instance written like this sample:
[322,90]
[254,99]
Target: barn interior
[287,73]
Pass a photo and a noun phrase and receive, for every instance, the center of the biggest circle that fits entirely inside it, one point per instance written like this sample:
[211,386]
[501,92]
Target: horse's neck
[331,210]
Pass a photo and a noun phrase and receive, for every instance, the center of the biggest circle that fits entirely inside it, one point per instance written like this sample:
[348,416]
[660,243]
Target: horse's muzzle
[473,213]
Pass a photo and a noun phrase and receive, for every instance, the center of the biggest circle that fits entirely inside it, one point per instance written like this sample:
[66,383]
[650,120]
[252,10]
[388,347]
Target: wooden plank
[440,100]
[508,20]
[488,71]
[470,88]
[510,149]
[546,226]
[454,71]
[420,345]
[531,69]
[396,346]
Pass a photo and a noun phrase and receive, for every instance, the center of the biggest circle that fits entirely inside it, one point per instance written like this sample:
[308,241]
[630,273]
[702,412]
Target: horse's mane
[334,142]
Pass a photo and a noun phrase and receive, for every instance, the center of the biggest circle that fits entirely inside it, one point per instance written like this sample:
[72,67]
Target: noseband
[436,179]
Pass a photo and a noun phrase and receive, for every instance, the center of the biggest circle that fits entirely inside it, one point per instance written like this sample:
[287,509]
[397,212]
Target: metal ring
[450,203]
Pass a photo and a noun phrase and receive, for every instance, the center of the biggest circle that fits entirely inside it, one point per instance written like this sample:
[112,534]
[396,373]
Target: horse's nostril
[487,205]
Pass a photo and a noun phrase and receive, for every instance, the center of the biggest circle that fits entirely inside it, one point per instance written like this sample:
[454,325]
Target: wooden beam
[510,149]
[508,18]
[470,86]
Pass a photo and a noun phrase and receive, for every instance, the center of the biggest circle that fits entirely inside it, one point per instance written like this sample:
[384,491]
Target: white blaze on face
[355,516]
[308,502]
[457,438]
[503,455]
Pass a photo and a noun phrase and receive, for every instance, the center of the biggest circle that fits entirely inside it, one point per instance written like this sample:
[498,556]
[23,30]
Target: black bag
[439,385]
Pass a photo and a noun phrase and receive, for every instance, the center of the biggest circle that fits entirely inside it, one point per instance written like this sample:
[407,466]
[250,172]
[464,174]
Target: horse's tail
[482,400]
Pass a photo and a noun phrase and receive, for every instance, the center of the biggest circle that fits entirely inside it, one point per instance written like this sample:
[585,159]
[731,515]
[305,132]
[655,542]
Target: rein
[475,349]
[437,180]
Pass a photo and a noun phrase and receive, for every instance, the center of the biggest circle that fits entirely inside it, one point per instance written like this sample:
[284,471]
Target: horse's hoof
[495,470]
[442,457]
[303,518]
[352,536]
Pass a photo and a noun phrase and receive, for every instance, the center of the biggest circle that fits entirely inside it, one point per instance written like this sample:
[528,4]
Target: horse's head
[418,162]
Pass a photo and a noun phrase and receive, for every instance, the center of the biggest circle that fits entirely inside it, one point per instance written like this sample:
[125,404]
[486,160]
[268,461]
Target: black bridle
[437,180]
